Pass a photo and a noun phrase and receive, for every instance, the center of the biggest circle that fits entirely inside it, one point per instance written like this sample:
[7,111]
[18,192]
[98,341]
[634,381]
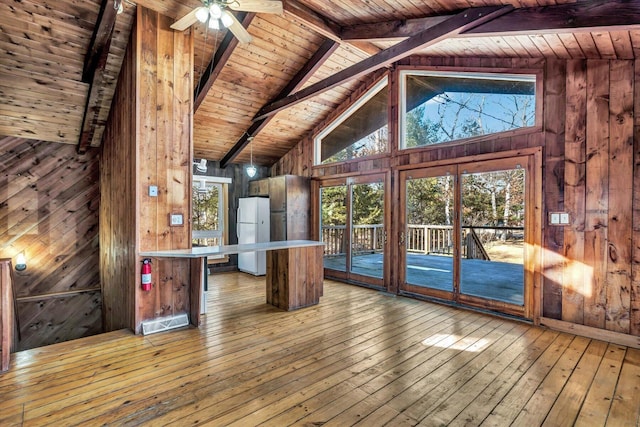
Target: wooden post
[6,314]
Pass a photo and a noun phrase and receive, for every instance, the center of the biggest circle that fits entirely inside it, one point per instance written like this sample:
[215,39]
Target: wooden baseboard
[590,332]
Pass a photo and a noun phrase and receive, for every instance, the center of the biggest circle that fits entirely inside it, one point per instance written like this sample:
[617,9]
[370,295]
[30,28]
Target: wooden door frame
[533,226]
[348,180]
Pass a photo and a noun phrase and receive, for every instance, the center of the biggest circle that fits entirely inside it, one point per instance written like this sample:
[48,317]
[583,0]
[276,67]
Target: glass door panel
[367,229]
[492,235]
[333,226]
[429,233]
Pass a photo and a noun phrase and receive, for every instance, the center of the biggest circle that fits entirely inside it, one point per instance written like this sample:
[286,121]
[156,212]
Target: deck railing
[368,238]
[421,238]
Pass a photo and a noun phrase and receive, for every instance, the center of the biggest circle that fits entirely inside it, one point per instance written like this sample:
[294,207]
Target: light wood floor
[359,357]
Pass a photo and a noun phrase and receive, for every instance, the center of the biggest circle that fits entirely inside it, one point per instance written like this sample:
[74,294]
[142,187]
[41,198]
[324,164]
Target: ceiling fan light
[215,10]
[214,23]
[226,19]
[202,14]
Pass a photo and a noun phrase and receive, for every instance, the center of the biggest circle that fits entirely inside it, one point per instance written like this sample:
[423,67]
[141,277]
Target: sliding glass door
[352,226]
[428,236]
[463,233]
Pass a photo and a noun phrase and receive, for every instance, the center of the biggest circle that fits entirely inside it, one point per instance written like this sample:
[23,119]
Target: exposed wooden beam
[172,8]
[94,70]
[390,30]
[463,21]
[319,57]
[589,16]
[220,58]
[323,25]
[586,16]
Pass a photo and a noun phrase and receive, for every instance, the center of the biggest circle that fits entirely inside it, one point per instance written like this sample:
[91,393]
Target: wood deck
[359,357]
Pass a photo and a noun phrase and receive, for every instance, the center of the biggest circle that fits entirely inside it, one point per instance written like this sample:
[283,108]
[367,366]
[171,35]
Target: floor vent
[162,324]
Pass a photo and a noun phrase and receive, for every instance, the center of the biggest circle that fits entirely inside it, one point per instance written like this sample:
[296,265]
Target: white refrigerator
[253,227]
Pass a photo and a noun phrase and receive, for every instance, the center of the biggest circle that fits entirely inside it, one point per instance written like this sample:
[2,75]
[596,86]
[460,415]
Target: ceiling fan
[215,14]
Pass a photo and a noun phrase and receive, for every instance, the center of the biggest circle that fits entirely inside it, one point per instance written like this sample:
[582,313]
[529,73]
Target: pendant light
[251,170]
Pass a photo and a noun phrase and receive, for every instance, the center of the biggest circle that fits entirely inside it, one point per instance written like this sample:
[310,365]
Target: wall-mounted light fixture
[21,262]
[201,166]
[251,170]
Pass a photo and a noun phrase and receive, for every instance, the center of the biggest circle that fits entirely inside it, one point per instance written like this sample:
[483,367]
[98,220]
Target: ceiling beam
[589,16]
[323,25]
[319,57]
[456,24]
[173,9]
[217,63]
[94,70]
[594,15]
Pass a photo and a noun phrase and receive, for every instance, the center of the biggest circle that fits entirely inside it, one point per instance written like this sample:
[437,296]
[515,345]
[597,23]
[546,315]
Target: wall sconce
[21,262]
[201,166]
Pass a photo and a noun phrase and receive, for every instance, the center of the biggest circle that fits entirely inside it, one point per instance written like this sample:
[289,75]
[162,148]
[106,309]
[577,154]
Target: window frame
[479,72]
[223,206]
[379,86]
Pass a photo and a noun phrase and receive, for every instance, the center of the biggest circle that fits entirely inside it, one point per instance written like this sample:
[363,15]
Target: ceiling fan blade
[239,31]
[259,6]
[186,21]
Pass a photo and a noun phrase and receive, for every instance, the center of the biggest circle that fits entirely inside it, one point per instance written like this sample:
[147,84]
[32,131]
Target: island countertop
[205,251]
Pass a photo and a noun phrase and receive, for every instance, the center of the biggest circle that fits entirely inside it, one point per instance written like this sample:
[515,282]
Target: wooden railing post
[426,232]
[6,313]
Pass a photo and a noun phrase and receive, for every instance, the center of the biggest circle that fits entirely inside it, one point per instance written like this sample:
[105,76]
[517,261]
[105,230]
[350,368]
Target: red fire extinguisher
[146,274]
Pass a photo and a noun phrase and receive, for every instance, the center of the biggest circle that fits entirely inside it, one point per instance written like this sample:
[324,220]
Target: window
[209,206]
[439,107]
[360,131]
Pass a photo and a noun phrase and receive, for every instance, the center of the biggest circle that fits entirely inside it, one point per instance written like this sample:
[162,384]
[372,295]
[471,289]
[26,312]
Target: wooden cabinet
[289,203]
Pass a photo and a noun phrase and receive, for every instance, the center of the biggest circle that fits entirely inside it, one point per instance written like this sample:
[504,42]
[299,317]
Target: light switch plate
[559,218]
[153,191]
[176,220]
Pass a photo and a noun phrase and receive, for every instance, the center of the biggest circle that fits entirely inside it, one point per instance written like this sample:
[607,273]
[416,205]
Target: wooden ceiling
[45,89]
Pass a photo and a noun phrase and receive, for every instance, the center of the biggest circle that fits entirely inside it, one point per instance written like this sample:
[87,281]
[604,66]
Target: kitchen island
[294,271]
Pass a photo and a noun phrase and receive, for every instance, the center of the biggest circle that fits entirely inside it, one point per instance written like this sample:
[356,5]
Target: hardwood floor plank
[359,357]
[232,403]
[230,360]
[363,372]
[476,411]
[626,404]
[416,402]
[508,409]
[597,403]
[537,408]
[450,405]
[567,405]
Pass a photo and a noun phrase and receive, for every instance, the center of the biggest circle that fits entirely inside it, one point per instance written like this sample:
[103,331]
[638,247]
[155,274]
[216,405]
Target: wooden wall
[148,142]
[593,176]
[49,205]
[591,169]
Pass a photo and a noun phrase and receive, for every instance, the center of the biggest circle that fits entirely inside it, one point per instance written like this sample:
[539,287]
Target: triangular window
[362,130]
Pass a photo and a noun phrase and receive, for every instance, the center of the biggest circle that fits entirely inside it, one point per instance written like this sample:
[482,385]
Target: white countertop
[205,251]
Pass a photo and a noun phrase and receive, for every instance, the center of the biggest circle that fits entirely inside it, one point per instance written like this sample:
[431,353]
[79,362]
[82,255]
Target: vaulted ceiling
[59,60]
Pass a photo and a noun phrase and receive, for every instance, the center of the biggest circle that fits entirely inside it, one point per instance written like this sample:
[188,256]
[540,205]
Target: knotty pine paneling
[118,198]
[49,207]
[148,141]
[590,139]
